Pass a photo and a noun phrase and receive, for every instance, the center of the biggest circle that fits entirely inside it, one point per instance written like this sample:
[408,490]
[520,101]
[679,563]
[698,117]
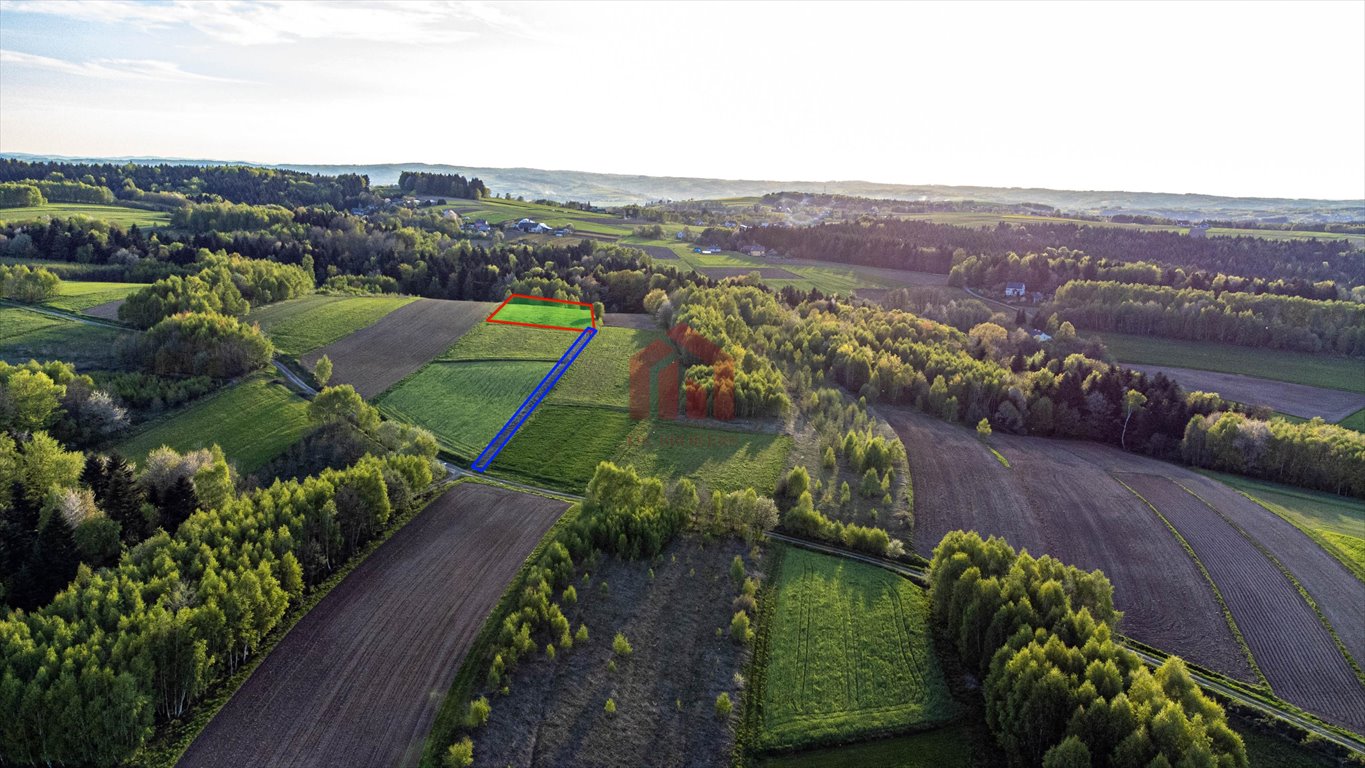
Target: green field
[493,341]
[950,747]
[849,655]
[464,404]
[1355,421]
[1337,523]
[27,335]
[519,310]
[253,422]
[714,458]
[496,211]
[306,323]
[977,219]
[114,214]
[601,375]
[77,296]
[829,279]
[1343,373]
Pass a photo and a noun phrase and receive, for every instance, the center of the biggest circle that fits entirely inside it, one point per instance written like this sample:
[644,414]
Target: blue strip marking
[532,401]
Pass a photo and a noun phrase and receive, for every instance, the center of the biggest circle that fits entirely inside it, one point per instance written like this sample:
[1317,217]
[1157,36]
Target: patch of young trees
[1059,690]
[199,344]
[1264,320]
[84,679]
[14,194]
[1313,454]
[227,285]
[229,217]
[30,286]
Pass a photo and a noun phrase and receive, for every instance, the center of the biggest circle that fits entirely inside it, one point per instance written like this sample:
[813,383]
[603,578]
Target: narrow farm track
[1052,501]
[358,681]
[376,357]
[1297,655]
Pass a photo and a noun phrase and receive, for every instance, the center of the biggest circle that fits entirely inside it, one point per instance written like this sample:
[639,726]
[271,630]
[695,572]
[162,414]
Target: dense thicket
[85,678]
[447,184]
[926,246]
[15,194]
[199,344]
[30,286]
[228,285]
[1048,270]
[73,192]
[1279,322]
[229,217]
[233,183]
[1059,690]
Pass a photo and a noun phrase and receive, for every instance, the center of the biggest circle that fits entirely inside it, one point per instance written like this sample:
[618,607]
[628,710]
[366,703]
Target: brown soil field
[665,692]
[638,321]
[767,273]
[1297,655]
[106,311]
[1051,501]
[1295,399]
[376,357]
[658,252]
[359,679]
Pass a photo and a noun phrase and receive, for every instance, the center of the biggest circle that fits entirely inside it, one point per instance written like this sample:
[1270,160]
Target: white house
[1014,289]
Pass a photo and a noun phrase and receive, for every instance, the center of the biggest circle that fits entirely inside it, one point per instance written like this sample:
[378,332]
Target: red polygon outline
[592,316]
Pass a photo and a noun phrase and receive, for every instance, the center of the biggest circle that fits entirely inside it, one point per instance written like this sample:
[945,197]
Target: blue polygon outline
[527,406]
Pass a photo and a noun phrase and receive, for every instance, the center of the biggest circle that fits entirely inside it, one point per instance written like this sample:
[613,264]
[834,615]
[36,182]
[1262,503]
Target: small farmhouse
[1014,289]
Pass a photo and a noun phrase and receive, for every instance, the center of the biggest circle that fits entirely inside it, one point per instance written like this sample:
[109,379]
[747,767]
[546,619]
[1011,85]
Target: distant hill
[618,189]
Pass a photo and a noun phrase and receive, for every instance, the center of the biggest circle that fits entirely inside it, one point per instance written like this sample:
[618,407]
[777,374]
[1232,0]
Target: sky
[1243,99]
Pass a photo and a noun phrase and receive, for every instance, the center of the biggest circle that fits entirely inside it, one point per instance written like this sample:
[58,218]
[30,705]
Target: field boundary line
[1303,591]
[1326,545]
[1217,593]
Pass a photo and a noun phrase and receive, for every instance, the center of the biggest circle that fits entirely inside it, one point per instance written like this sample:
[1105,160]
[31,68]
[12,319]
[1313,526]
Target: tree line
[446,184]
[1060,691]
[227,285]
[1259,320]
[1049,269]
[930,247]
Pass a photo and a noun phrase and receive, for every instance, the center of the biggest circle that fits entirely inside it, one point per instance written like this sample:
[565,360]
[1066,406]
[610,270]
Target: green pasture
[26,335]
[113,214]
[1327,371]
[522,310]
[308,322]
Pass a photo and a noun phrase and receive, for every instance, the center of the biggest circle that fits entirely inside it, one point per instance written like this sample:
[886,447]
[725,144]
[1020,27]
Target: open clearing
[253,422]
[1295,399]
[464,403]
[114,214]
[601,376]
[767,273]
[76,296]
[1299,658]
[379,356]
[657,251]
[27,335]
[665,691]
[308,322]
[1062,498]
[849,654]
[951,747]
[639,321]
[1327,371]
[358,680]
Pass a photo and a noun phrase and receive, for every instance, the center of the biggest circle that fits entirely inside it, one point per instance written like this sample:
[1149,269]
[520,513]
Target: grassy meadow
[601,375]
[26,335]
[76,296]
[713,457]
[519,310]
[1326,371]
[308,322]
[253,422]
[949,747]
[494,341]
[561,445]
[850,655]
[114,214]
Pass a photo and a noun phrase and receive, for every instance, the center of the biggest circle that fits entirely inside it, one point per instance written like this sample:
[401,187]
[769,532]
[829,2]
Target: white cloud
[109,69]
[236,22]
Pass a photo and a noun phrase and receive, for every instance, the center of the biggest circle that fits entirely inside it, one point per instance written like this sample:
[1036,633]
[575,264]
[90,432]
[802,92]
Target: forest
[929,247]
[447,184]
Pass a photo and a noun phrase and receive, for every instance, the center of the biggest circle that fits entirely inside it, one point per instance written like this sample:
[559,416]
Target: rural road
[921,576]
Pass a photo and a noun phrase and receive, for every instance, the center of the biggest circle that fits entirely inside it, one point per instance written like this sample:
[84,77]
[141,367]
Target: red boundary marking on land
[592,316]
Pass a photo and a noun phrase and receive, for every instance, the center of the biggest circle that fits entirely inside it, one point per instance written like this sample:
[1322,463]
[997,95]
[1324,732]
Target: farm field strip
[33,335]
[378,356]
[1299,658]
[537,312]
[850,654]
[1053,501]
[113,214]
[1295,399]
[308,322]
[1326,371]
[75,296]
[374,650]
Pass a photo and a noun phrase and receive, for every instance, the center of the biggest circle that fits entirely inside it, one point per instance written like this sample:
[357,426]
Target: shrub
[478,712]
[550,651]
[610,707]
[200,344]
[983,428]
[737,571]
[570,595]
[460,754]
[621,646]
[29,286]
[739,628]
[581,636]
[723,705]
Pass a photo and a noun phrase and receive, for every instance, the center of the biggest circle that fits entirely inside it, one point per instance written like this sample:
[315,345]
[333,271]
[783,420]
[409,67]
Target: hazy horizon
[1113,97]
